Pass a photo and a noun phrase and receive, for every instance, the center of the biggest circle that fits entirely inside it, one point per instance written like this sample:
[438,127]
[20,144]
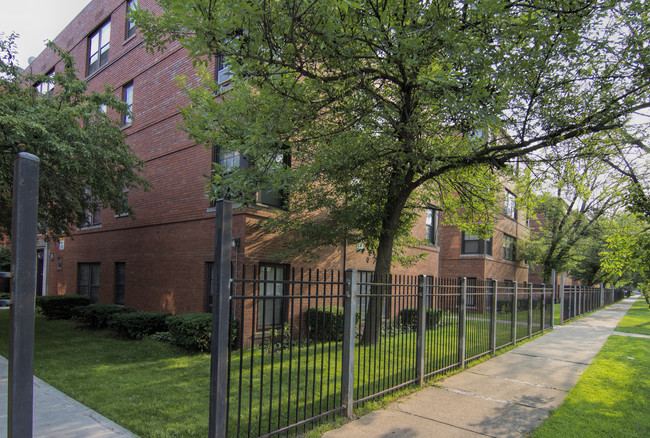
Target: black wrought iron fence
[298,357]
[578,300]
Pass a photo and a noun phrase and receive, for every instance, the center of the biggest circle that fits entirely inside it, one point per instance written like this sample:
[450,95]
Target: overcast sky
[36,21]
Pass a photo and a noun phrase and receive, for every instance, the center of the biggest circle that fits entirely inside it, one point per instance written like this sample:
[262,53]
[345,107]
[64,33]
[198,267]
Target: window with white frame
[130,24]
[127,97]
[223,73]
[510,205]
[47,86]
[99,44]
[432,218]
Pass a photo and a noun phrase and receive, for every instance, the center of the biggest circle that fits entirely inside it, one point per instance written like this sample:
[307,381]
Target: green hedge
[97,315]
[61,306]
[194,331]
[408,318]
[136,325]
[326,323]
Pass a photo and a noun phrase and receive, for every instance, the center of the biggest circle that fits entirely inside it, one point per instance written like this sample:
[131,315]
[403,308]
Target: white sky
[36,21]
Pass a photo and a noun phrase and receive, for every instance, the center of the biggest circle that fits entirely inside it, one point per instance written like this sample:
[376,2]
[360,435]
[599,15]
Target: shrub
[192,331]
[408,318]
[136,325]
[326,323]
[60,306]
[97,315]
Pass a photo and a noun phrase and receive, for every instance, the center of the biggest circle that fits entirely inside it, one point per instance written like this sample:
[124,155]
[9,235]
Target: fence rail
[308,345]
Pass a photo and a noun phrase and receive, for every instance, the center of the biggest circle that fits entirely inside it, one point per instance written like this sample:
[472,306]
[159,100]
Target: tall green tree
[569,203]
[85,162]
[387,106]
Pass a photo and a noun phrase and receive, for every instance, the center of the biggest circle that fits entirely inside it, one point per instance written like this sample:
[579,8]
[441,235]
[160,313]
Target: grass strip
[612,396]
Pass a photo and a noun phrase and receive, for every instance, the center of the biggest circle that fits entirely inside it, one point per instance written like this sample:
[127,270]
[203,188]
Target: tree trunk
[390,223]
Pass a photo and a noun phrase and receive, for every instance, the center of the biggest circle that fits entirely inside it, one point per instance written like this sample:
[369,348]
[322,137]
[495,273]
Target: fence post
[220,320]
[347,379]
[462,321]
[562,315]
[575,301]
[493,318]
[554,293]
[23,293]
[543,309]
[513,322]
[530,310]
[421,335]
[602,294]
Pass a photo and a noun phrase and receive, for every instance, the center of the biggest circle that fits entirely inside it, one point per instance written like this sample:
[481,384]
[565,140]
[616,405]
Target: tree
[84,159]
[569,203]
[388,106]
[625,258]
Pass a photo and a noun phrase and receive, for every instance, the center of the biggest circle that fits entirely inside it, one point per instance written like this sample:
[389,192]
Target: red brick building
[159,261]
[464,255]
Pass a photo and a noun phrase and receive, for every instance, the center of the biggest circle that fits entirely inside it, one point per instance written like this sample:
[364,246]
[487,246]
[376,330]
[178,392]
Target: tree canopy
[570,203]
[389,106]
[85,162]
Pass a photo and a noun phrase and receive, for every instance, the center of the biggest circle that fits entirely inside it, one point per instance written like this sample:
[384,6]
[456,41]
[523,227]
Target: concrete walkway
[58,416]
[508,396]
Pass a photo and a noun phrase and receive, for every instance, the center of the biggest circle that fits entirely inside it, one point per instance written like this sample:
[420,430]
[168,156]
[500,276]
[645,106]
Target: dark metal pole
[513,322]
[21,317]
[530,310]
[220,320]
[462,322]
[421,334]
[350,311]
[493,317]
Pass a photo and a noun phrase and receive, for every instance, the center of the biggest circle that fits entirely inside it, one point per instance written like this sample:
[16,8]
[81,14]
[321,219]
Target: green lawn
[157,390]
[612,397]
[149,387]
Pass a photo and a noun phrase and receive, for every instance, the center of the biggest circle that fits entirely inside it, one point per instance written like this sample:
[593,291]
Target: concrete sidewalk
[58,416]
[508,396]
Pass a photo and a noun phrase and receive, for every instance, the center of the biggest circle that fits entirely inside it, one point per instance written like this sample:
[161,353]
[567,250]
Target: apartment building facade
[161,261]
[495,258]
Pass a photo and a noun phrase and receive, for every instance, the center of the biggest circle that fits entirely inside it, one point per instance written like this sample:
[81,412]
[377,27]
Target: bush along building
[162,260]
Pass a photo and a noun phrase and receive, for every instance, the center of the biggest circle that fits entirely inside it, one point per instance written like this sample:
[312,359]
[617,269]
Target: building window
[120,275]
[123,212]
[47,86]
[100,42]
[510,205]
[364,280]
[432,225]
[93,218]
[88,280]
[273,197]
[472,292]
[223,73]
[232,160]
[509,247]
[130,24]
[474,245]
[270,310]
[127,97]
